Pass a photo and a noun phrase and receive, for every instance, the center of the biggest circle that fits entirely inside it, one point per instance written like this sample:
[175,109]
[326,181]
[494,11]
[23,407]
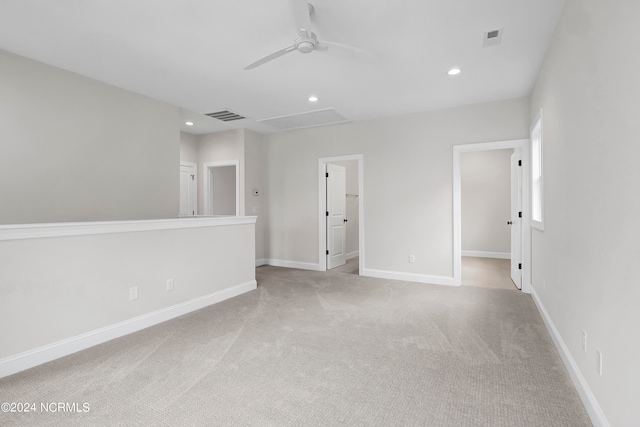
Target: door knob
[509,222]
[345,220]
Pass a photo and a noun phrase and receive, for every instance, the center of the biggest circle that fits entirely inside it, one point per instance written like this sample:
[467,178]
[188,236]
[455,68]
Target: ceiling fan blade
[347,49]
[271,57]
[302,15]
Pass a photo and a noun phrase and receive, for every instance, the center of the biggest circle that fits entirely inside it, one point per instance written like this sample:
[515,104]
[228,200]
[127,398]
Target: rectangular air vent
[226,116]
[305,120]
[492,37]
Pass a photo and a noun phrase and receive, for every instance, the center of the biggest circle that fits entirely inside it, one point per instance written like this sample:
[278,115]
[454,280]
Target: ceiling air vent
[492,37]
[226,116]
[305,120]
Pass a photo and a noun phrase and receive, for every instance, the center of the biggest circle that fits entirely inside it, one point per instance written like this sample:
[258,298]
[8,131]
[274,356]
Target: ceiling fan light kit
[307,41]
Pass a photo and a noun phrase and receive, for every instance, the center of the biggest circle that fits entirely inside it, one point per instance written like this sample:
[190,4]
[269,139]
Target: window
[537,200]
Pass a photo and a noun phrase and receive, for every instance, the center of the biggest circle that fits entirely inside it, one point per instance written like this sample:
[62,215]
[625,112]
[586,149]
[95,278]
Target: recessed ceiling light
[188,123]
[454,71]
[313,98]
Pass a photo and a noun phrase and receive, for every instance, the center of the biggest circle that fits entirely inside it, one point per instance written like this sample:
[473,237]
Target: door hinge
[193,177]
[519,162]
[327,251]
[193,212]
[519,214]
[326,175]
[327,213]
[520,266]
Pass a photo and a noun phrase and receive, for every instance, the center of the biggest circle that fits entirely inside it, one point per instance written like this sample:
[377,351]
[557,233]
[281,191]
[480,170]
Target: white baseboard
[292,264]
[409,277]
[487,254]
[260,262]
[47,353]
[353,254]
[589,401]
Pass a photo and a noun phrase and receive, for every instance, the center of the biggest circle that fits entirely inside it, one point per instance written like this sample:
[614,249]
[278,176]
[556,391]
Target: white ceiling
[191,53]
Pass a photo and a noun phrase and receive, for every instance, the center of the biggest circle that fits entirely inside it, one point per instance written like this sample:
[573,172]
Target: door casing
[208,185]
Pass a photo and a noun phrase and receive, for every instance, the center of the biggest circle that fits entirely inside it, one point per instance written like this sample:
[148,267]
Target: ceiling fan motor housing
[305,46]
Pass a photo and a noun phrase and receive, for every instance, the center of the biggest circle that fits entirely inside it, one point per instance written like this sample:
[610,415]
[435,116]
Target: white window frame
[537,179]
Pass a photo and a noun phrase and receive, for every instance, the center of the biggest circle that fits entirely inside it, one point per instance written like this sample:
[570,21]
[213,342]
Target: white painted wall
[59,288]
[188,148]
[74,149]
[485,184]
[407,182]
[255,177]
[585,262]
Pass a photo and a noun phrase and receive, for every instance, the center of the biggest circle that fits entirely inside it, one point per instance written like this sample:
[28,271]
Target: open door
[188,191]
[516,218]
[336,212]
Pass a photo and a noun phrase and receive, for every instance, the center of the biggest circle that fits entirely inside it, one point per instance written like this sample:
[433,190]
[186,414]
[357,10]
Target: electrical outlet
[255,209]
[412,258]
[584,341]
[599,361]
[169,284]
[133,293]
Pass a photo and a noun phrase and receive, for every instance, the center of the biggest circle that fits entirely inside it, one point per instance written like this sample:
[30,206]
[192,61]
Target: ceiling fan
[307,41]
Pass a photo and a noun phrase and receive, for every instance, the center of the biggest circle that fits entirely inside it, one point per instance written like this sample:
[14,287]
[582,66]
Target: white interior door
[187,189]
[516,218]
[336,212]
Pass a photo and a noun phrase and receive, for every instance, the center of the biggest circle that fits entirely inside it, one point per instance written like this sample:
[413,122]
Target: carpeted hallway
[320,349]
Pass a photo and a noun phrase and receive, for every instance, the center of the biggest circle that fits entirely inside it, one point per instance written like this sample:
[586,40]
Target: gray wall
[407,182]
[188,147]
[585,262]
[73,149]
[255,177]
[485,187]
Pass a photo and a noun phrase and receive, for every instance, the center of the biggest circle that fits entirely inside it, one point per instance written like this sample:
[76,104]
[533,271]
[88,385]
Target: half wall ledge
[60,229]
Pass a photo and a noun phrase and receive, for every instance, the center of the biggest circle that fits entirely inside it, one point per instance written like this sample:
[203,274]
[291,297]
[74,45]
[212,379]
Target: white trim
[292,264]
[322,199]
[408,277]
[11,365]
[194,200]
[598,418]
[261,262]
[36,231]
[526,210]
[353,254]
[538,120]
[208,181]
[487,254]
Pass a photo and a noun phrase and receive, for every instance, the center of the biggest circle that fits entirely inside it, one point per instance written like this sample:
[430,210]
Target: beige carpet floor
[319,349]
[487,273]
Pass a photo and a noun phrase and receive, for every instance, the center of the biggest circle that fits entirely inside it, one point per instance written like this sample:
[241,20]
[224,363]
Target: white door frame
[322,208]
[457,206]
[208,180]
[194,196]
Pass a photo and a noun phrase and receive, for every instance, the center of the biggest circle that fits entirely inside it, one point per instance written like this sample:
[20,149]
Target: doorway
[341,243]
[222,188]
[486,196]
[524,232]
